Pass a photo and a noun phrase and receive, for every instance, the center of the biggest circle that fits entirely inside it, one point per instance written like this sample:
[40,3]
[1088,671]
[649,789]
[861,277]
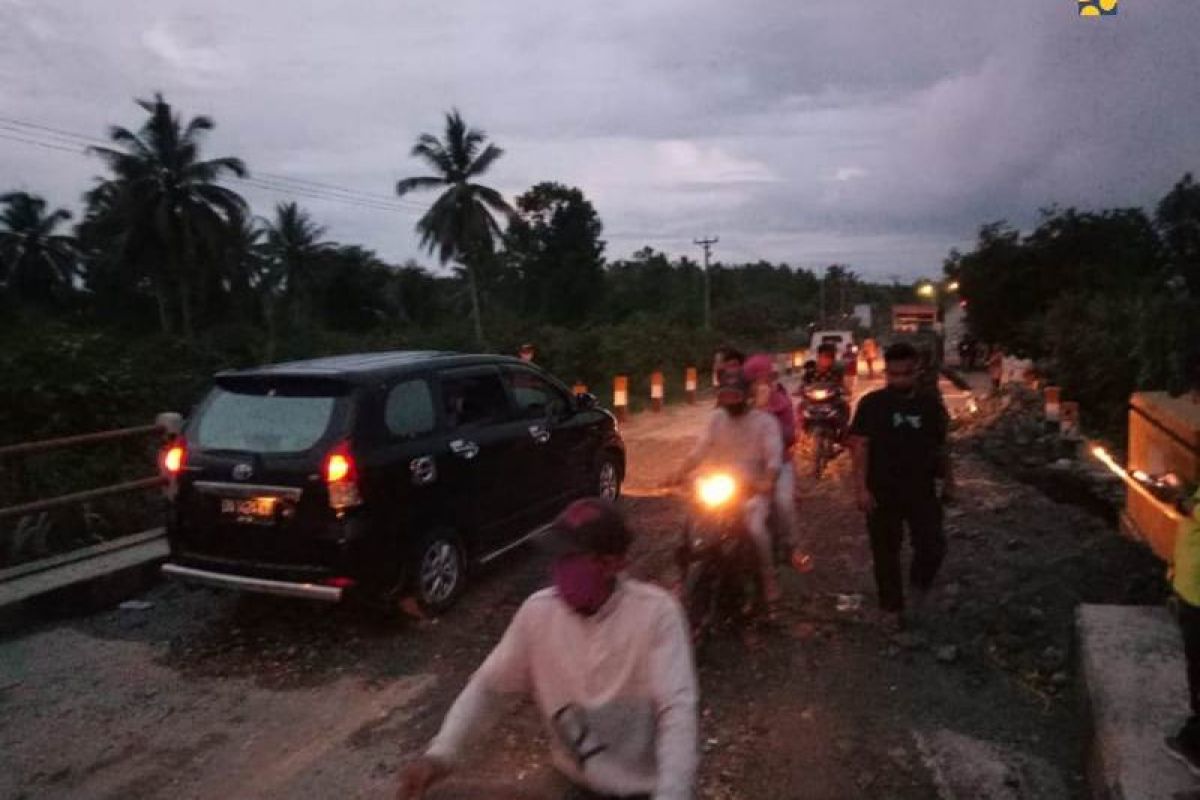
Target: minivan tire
[608,477]
[439,571]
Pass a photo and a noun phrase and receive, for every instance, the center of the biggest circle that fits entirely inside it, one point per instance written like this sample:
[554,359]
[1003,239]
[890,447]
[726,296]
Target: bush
[1094,358]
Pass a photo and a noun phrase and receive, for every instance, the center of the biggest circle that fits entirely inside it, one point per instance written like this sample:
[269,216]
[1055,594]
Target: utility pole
[707,244]
[821,288]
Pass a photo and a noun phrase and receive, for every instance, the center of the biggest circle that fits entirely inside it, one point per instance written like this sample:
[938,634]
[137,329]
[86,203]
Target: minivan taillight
[174,457]
[341,478]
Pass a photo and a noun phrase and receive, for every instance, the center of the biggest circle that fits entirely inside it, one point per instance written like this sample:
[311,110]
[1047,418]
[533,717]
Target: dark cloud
[879,134]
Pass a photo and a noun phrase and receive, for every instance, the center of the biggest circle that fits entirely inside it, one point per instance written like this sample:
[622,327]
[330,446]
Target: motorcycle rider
[746,441]
[771,396]
[826,371]
[607,660]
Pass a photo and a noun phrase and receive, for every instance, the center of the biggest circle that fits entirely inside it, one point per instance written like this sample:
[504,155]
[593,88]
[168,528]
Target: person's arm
[860,451]
[694,458]
[945,464]
[949,484]
[504,673]
[673,683]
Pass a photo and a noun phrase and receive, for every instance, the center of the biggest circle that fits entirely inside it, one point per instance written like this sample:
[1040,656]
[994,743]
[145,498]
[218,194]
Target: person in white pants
[771,397]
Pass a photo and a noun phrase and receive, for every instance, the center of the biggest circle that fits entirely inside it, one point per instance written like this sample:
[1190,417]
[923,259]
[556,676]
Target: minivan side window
[536,398]
[408,410]
[473,399]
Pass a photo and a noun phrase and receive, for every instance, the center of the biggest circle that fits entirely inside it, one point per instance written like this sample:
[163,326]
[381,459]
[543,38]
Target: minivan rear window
[263,422]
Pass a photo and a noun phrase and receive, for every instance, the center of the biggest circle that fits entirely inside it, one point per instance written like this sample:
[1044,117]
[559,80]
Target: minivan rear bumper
[246,583]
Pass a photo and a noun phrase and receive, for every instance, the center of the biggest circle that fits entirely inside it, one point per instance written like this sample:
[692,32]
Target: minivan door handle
[464,448]
[540,433]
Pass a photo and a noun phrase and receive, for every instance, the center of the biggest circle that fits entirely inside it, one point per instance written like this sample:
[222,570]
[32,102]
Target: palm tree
[459,225]
[171,206]
[35,262]
[115,277]
[241,266]
[293,250]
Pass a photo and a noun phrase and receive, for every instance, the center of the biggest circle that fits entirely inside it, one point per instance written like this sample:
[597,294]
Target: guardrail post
[621,397]
[656,391]
[170,423]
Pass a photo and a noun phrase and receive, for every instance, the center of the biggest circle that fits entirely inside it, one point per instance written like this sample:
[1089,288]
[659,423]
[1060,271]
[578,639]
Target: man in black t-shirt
[899,442]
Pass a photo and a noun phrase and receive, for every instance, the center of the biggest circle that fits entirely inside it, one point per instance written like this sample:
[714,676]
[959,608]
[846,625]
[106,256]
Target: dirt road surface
[209,695]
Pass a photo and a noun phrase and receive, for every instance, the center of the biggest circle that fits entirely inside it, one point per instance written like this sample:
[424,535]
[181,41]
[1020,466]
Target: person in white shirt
[745,441]
[607,660]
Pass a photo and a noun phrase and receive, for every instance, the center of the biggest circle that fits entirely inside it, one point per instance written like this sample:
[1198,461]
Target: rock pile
[1011,431]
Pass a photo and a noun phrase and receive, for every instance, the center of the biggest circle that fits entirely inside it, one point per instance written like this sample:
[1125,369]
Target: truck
[920,326]
[915,318]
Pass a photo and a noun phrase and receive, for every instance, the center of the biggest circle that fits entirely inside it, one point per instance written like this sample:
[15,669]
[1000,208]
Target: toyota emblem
[242,471]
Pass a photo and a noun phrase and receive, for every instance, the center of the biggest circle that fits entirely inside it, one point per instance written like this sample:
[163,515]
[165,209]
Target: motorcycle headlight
[819,394]
[714,491]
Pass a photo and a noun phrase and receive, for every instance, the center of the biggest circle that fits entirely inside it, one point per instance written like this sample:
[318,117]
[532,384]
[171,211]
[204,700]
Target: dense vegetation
[1107,301]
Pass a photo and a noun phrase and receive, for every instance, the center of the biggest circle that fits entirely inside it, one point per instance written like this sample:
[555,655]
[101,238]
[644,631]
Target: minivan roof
[360,367]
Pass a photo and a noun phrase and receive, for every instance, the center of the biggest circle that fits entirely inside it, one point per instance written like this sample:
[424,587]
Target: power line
[47,145]
[8,121]
[272,182]
[317,185]
[293,191]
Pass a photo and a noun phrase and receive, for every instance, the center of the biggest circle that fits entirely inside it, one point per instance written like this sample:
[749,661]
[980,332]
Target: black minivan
[382,475]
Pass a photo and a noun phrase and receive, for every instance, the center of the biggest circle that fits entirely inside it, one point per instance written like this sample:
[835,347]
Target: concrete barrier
[1132,667]
[657,391]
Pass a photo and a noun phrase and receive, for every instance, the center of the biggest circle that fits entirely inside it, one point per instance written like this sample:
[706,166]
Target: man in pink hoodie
[772,397]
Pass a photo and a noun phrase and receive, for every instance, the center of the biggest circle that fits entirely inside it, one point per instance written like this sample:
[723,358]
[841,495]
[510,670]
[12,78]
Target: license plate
[250,509]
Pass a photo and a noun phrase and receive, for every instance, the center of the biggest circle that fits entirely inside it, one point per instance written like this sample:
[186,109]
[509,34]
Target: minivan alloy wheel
[441,572]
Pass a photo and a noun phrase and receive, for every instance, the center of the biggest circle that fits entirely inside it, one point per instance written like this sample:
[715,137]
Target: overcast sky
[873,133]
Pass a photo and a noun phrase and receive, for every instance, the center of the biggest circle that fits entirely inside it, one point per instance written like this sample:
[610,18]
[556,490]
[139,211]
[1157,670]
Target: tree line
[168,265]
[1107,301]
[164,242]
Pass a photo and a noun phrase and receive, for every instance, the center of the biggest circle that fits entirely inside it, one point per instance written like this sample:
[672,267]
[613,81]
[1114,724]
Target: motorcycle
[823,417]
[717,559]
